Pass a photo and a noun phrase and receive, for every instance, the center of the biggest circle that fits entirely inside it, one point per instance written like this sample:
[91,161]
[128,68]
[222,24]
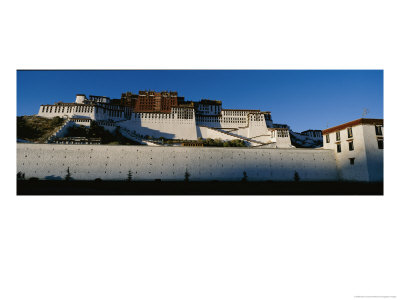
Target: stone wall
[88,162]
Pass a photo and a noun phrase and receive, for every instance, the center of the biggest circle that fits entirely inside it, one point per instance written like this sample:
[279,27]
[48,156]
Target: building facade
[358,148]
[165,114]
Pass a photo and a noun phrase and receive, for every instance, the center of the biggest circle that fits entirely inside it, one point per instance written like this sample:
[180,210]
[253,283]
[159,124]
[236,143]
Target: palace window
[327,138]
[352,160]
[338,135]
[380,143]
[351,146]
[378,129]
[349,132]
[339,148]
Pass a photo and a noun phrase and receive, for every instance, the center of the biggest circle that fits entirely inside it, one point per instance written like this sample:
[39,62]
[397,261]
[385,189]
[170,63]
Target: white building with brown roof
[358,148]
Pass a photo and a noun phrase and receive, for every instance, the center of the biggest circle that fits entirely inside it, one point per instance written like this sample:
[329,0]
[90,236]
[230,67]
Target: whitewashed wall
[162,127]
[87,162]
[373,153]
[281,138]
[51,111]
[368,164]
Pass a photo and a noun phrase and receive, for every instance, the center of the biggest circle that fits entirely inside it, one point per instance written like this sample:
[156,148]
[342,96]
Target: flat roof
[241,109]
[361,121]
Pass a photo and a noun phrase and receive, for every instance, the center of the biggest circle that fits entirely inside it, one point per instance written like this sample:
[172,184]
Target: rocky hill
[36,129]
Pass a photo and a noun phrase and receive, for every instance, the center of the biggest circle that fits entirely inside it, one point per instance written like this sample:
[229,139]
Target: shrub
[68,177]
[244,178]
[296,176]
[129,176]
[57,121]
[187,175]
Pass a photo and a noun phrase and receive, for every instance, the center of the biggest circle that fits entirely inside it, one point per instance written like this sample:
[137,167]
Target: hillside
[96,131]
[36,129]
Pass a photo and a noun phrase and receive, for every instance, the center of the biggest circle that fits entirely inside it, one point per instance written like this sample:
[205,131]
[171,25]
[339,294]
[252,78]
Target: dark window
[338,135]
[349,132]
[380,144]
[378,130]
[352,160]
[339,148]
[327,138]
[351,146]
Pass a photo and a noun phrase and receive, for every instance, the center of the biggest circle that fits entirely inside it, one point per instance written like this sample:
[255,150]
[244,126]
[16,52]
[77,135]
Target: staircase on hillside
[134,137]
[239,137]
[57,131]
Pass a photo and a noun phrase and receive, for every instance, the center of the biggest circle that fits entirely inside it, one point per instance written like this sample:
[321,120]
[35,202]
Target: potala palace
[166,115]
[352,151]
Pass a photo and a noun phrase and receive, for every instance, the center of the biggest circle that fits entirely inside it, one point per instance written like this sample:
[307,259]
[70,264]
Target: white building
[358,148]
[186,120]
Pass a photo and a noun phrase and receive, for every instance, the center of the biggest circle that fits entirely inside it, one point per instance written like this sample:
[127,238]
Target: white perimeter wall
[87,162]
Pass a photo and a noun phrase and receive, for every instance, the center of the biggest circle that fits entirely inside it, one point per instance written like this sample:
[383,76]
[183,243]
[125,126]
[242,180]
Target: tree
[218,142]
[296,176]
[187,175]
[130,176]
[68,177]
[244,178]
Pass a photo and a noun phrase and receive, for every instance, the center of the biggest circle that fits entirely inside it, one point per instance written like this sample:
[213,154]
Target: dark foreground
[47,187]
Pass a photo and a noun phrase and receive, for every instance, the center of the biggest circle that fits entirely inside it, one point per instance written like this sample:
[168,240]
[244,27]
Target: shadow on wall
[155,133]
[148,131]
[53,177]
[282,171]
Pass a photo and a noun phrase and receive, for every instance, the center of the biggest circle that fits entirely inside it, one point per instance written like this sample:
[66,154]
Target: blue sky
[311,99]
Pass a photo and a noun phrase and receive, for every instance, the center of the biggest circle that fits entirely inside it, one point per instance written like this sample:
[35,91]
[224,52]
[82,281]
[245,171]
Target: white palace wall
[88,162]
[51,111]
[170,128]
